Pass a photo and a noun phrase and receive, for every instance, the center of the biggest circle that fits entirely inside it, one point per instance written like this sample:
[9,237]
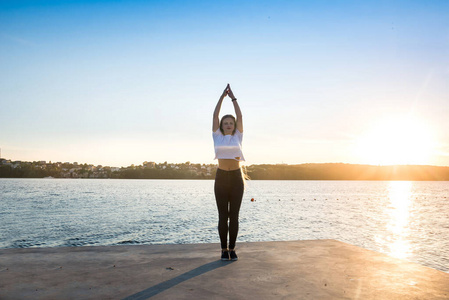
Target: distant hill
[311,171]
[341,171]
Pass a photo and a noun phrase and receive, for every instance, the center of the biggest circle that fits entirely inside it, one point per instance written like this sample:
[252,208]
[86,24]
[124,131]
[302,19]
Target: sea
[403,219]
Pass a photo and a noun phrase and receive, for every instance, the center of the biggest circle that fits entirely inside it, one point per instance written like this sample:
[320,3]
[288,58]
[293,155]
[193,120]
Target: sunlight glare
[399,210]
[397,141]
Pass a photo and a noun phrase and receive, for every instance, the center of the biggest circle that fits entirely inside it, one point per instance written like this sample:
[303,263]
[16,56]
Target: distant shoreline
[151,170]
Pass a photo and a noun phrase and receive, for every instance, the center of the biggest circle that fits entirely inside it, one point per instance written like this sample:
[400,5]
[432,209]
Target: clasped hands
[228,92]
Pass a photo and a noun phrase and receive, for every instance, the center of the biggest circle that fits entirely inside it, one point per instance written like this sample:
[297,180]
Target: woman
[229,184]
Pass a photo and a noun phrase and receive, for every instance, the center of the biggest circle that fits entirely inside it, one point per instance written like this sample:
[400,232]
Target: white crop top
[228,146]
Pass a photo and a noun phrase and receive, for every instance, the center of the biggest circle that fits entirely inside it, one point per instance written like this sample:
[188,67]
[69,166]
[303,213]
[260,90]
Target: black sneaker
[233,255]
[224,255]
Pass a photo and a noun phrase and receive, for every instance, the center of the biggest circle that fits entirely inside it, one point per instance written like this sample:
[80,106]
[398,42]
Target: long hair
[245,175]
[225,117]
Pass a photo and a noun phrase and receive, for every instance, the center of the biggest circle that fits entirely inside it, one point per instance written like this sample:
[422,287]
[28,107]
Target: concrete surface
[319,269]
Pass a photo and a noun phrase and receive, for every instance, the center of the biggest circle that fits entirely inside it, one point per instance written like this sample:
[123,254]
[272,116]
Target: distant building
[16,164]
[7,162]
[149,164]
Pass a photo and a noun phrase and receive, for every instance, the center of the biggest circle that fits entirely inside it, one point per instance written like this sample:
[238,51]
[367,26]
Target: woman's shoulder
[217,132]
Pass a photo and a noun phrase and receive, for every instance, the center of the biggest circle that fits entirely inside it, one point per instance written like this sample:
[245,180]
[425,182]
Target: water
[403,219]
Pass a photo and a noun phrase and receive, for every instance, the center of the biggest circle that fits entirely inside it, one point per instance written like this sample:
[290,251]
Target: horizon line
[195,163]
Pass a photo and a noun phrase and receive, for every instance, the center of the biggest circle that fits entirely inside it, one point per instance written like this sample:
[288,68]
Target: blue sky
[122,82]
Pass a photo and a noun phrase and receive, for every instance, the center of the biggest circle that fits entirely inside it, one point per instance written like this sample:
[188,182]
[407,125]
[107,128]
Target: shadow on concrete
[163,286]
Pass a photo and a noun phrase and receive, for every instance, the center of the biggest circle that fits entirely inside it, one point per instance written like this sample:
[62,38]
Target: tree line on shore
[341,171]
[311,171]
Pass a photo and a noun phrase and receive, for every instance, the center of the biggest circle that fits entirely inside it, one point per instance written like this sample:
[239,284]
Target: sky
[122,82]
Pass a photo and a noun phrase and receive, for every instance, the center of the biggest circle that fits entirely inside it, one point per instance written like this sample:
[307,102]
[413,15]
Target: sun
[400,140]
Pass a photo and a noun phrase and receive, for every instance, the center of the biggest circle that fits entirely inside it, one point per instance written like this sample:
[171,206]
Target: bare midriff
[228,164]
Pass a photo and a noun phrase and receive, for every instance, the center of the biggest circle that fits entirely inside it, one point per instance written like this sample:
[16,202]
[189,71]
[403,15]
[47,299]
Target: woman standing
[229,184]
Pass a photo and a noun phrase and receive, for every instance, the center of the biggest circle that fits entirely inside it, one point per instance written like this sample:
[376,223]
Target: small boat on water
[49,177]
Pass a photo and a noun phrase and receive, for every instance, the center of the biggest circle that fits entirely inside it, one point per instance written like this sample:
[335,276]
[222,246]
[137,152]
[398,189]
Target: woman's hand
[226,91]
[230,93]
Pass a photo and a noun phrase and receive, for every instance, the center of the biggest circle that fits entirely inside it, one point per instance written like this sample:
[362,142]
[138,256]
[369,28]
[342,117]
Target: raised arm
[216,119]
[238,112]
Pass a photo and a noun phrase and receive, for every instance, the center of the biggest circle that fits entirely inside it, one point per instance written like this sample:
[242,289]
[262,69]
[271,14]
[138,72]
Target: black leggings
[228,194]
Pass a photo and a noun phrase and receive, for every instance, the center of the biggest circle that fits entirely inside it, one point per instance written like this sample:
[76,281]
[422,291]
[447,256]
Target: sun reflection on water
[398,210]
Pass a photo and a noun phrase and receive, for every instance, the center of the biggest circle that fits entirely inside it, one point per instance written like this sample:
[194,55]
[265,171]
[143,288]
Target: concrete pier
[319,269]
